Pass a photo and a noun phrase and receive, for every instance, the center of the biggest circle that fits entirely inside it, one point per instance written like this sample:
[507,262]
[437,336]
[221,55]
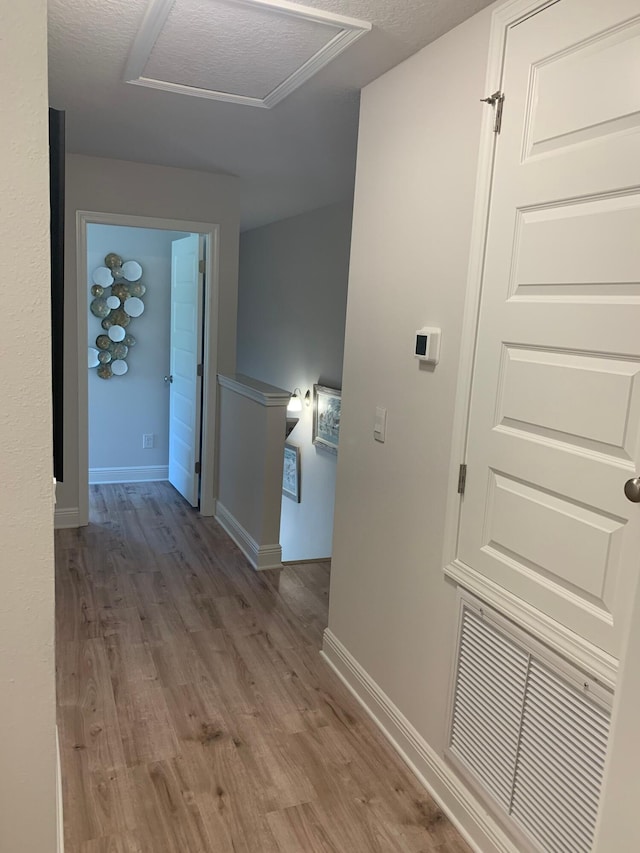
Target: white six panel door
[555,414]
[186,347]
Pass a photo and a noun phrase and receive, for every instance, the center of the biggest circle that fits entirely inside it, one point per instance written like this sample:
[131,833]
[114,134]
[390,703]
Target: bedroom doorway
[147,408]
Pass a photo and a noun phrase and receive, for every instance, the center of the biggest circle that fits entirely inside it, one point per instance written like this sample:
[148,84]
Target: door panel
[186,350]
[555,412]
[567,106]
[589,248]
[518,511]
[580,399]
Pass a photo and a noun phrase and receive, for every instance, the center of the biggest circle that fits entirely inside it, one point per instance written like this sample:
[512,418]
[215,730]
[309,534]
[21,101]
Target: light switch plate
[380,424]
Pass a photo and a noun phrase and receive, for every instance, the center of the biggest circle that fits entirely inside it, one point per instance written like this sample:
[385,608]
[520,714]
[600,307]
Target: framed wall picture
[291,472]
[326,417]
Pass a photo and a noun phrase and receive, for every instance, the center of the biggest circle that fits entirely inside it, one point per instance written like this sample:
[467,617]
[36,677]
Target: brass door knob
[632,490]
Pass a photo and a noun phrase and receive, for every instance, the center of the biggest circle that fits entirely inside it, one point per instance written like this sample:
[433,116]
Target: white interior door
[554,428]
[186,355]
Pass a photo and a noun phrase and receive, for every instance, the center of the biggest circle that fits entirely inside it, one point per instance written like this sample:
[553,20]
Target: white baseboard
[147,474]
[64,518]
[59,809]
[269,557]
[469,816]
[261,557]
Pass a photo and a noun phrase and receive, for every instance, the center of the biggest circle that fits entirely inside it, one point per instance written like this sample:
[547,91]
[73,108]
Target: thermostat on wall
[428,345]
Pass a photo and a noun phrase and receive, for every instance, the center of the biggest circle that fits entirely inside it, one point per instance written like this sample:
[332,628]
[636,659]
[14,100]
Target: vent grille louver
[490,686]
[560,764]
[532,740]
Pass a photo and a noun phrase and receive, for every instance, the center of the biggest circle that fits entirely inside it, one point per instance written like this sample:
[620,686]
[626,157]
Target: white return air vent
[528,731]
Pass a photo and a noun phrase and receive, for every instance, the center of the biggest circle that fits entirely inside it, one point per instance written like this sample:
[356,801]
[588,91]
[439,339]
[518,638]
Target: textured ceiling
[295,157]
[205,43]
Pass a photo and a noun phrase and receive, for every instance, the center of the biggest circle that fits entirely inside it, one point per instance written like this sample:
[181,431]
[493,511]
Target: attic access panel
[252,52]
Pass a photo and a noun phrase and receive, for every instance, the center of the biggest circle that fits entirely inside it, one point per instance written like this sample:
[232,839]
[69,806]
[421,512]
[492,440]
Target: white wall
[291,312]
[27,698]
[122,408]
[417,157]
[101,185]
[252,426]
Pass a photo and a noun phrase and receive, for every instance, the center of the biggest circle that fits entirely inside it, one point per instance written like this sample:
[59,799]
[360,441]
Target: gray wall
[291,311]
[98,184]
[27,681]
[122,408]
[419,242]
[391,605]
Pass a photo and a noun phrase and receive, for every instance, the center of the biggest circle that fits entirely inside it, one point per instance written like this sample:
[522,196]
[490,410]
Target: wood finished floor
[195,713]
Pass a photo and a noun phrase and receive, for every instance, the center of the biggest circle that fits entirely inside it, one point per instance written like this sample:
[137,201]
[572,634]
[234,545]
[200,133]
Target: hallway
[194,711]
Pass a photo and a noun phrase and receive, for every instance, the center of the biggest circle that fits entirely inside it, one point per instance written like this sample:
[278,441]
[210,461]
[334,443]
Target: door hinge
[199,370]
[462,479]
[497,101]
[201,266]
[197,468]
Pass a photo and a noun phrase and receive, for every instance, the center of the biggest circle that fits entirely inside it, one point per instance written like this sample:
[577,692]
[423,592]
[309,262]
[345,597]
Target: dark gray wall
[291,313]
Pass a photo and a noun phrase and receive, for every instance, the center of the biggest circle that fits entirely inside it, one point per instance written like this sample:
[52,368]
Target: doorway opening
[147,408]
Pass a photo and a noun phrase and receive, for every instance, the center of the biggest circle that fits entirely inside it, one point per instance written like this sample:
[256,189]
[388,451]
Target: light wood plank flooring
[195,712]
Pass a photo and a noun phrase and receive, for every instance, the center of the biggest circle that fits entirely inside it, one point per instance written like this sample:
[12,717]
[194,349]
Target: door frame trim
[582,653]
[503,19]
[211,232]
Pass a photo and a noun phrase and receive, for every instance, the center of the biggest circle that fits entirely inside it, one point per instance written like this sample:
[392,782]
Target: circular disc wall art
[121,291]
[112,260]
[103,277]
[119,367]
[117,333]
[120,351]
[131,270]
[99,307]
[120,317]
[105,372]
[134,306]
[117,291]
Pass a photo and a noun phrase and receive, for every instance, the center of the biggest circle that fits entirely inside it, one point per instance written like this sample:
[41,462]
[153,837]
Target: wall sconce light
[294,407]
[295,403]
